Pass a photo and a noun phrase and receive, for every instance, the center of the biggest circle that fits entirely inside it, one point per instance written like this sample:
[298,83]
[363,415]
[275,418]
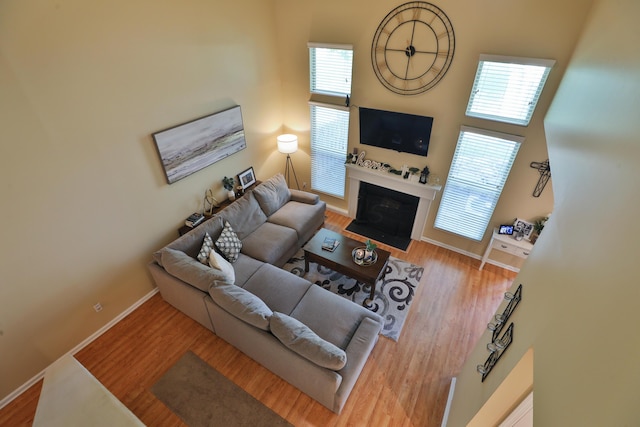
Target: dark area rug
[393,294]
[202,396]
[398,242]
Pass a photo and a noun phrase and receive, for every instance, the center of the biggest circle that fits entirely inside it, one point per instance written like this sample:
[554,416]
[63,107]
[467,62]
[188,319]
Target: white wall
[580,299]
[84,199]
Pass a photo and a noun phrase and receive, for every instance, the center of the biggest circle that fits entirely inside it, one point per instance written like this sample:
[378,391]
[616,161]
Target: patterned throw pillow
[228,243]
[205,250]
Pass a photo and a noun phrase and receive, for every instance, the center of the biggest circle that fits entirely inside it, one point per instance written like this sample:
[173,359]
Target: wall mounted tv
[402,132]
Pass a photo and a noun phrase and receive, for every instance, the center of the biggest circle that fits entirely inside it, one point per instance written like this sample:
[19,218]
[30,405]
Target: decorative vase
[231,195]
[534,237]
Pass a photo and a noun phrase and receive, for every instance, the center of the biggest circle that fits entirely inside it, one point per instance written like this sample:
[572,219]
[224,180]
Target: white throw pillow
[217,262]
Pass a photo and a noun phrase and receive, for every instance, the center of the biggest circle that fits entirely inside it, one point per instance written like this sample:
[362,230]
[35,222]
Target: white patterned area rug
[393,294]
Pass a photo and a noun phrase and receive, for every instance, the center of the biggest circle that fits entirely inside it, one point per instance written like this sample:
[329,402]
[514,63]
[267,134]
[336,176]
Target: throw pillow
[190,270]
[301,339]
[228,243]
[205,250]
[272,194]
[218,263]
[242,304]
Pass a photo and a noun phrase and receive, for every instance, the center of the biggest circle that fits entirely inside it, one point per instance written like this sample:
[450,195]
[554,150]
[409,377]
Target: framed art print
[524,227]
[247,178]
[189,147]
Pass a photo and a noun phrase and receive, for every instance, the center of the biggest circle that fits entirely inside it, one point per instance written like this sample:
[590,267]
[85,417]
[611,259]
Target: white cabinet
[506,243]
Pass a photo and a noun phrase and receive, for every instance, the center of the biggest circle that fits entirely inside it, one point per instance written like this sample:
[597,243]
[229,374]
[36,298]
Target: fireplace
[424,193]
[385,215]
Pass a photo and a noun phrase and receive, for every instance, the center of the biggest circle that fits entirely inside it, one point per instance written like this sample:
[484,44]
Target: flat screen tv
[406,133]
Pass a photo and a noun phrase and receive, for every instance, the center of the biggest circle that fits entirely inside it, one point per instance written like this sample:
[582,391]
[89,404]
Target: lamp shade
[287,143]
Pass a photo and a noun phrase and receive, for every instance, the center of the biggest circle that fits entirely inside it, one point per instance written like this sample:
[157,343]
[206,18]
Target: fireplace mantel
[427,193]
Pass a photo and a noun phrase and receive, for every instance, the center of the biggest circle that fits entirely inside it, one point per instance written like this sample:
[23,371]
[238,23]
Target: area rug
[203,397]
[393,294]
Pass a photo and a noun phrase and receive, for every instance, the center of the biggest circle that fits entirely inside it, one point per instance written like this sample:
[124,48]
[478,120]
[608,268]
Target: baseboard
[337,210]
[470,255]
[445,417]
[17,392]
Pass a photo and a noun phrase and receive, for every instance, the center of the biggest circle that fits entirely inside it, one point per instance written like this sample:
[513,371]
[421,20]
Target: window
[479,170]
[330,76]
[507,89]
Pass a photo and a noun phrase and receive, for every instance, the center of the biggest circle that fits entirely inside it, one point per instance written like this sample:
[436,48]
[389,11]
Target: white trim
[548,63]
[341,211]
[325,105]
[329,46]
[493,134]
[471,255]
[17,392]
[447,408]
[524,409]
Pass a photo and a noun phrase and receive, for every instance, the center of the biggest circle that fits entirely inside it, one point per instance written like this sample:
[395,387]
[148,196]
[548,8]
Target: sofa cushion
[191,242]
[302,217]
[245,267]
[242,304]
[278,288]
[332,317]
[218,263]
[272,194]
[228,243]
[205,249]
[270,242]
[244,215]
[190,270]
[301,339]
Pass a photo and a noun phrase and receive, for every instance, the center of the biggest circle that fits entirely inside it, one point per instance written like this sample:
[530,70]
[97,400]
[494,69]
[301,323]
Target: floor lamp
[288,144]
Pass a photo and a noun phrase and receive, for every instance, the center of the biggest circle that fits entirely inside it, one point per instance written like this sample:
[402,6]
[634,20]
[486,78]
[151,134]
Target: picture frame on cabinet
[524,227]
[247,178]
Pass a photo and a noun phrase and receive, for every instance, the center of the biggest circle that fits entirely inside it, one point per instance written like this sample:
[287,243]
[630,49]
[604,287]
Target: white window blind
[330,74]
[507,89]
[329,136]
[479,170]
[330,67]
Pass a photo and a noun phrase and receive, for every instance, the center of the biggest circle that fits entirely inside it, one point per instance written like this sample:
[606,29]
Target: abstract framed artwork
[192,146]
[247,178]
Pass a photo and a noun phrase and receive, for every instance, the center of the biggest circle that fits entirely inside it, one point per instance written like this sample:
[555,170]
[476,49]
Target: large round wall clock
[413,48]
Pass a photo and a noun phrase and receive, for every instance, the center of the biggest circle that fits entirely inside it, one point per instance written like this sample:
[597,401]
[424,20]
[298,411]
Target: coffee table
[341,260]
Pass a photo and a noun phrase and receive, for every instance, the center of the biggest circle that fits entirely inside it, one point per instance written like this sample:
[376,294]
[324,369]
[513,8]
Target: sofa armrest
[304,197]
[358,351]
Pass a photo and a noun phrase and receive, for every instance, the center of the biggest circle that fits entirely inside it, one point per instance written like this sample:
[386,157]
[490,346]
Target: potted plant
[368,250]
[538,226]
[228,183]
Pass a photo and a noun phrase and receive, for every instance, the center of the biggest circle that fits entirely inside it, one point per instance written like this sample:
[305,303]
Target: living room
[85,86]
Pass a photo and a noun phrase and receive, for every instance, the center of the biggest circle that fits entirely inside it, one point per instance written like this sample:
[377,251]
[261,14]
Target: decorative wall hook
[545,173]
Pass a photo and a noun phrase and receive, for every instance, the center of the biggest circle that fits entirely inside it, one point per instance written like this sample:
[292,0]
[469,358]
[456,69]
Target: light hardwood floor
[404,383]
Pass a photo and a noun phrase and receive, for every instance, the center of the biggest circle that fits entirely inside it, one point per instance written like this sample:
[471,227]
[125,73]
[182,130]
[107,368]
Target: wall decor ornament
[545,173]
[192,146]
[413,48]
[499,344]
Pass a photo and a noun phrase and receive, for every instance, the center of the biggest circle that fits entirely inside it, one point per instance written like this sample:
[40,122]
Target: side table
[506,243]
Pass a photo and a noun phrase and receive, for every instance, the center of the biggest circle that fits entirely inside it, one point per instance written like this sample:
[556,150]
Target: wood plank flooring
[404,383]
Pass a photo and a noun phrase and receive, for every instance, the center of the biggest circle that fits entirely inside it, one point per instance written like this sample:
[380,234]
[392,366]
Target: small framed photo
[505,229]
[247,178]
[524,227]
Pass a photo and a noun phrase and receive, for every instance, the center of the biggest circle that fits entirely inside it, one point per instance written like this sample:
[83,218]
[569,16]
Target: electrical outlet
[97,307]
[304,185]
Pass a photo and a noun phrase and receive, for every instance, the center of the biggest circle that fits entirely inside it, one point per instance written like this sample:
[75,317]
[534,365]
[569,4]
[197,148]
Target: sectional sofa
[226,275]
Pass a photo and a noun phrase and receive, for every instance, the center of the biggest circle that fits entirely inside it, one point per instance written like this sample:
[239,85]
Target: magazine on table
[330,244]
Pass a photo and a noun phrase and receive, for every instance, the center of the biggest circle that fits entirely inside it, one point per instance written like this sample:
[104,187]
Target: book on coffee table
[330,244]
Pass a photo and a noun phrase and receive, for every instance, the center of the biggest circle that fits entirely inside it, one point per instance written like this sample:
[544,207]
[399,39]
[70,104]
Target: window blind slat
[507,89]
[330,73]
[479,169]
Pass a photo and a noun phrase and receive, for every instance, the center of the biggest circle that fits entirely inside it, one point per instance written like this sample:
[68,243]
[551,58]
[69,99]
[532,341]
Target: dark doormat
[202,396]
[401,243]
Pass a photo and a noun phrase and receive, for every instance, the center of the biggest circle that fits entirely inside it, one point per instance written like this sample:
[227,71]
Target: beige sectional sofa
[310,337]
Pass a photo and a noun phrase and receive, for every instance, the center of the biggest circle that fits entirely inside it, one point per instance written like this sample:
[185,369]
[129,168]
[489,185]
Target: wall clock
[413,48]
